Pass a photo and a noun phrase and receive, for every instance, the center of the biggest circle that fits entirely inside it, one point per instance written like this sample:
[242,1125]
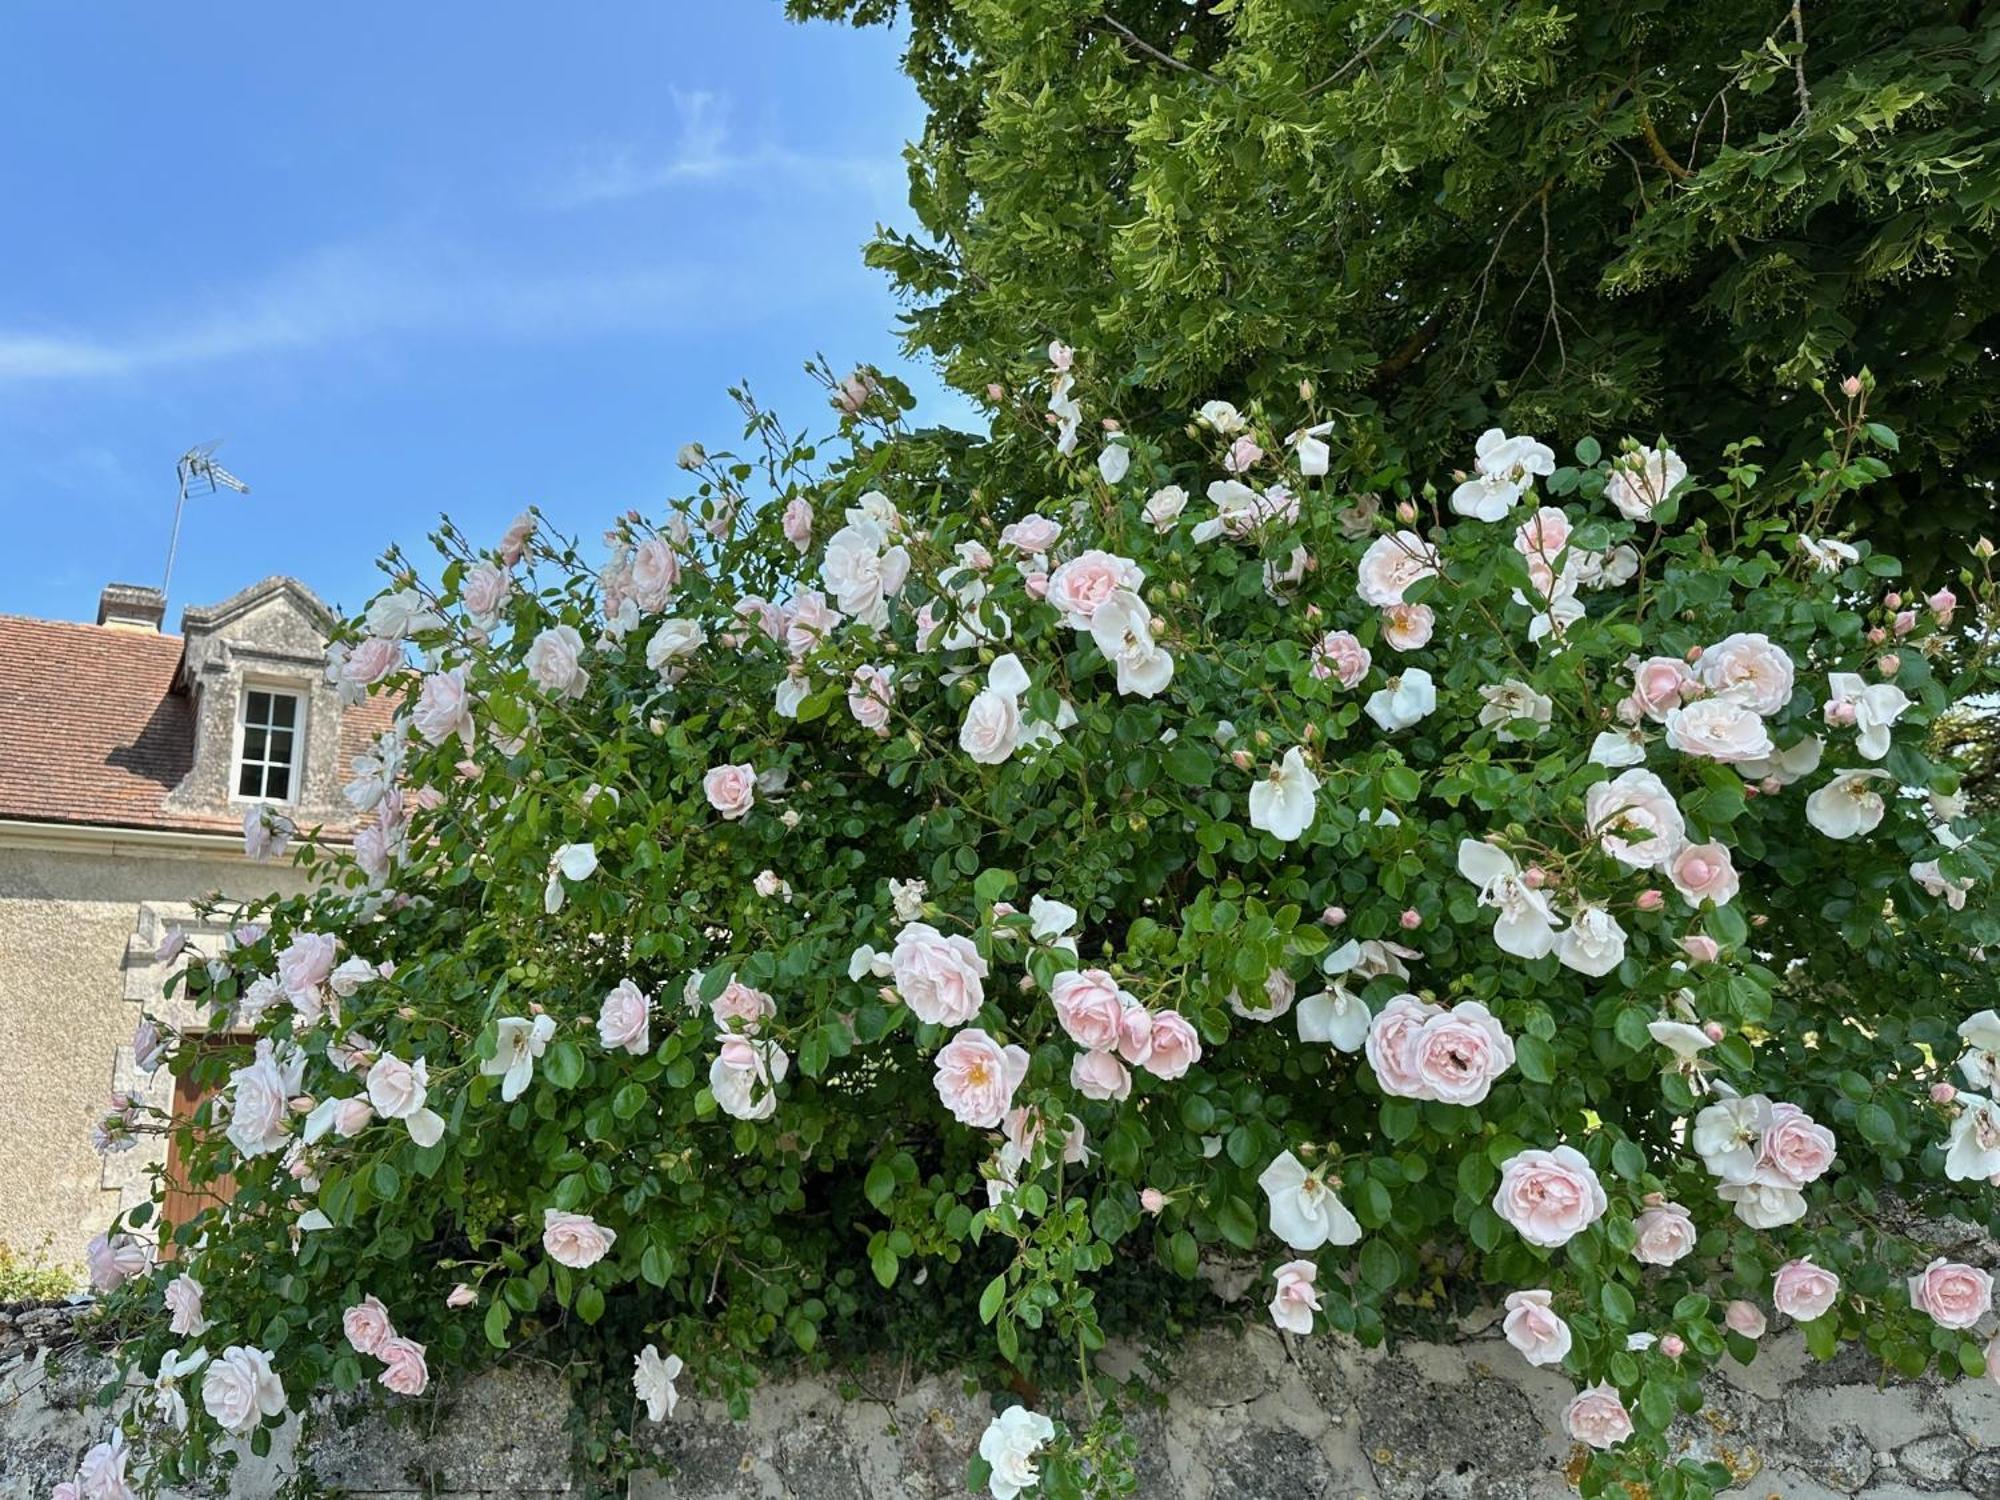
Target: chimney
[131,606]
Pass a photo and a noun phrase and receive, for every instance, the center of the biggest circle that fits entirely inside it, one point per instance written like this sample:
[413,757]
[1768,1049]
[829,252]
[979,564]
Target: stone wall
[1250,1414]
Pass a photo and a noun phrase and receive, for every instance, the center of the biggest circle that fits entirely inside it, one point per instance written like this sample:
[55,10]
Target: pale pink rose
[575,1240]
[1660,684]
[407,1374]
[1391,1032]
[976,1077]
[555,662]
[1295,1299]
[1598,1417]
[1941,605]
[1549,1197]
[183,1297]
[1745,1319]
[1543,536]
[367,1325]
[1665,1233]
[461,1296]
[1750,668]
[741,1009]
[354,1116]
[1797,1149]
[798,523]
[485,592]
[1407,627]
[1458,1054]
[1391,564]
[306,963]
[731,789]
[1176,1046]
[1704,872]
[1342,656]
[170,945]
[1804,1291]
[1090,1007]
[1152,1200]
[1087,580]
[67,1490]
[1721,729]
[1636,817]
[655,573]
[1534,1328]
[1701,948]
[240,1389]
[1955,1295]
[941,979]
[1031,536]
[444,708]
[514,541]
[1100,1075]
[1243,454]
[625,1019]
[370,661]
[149,1044]
[1135,1035]
[869,694]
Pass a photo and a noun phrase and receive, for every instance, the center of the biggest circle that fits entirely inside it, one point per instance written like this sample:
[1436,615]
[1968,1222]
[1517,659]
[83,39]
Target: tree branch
[1799,61]
[1660,153]
[1133,38]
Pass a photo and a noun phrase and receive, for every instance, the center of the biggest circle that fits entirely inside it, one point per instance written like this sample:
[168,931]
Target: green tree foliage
[1559,218]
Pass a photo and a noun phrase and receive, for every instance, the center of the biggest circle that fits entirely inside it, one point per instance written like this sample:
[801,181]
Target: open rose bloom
[914,886]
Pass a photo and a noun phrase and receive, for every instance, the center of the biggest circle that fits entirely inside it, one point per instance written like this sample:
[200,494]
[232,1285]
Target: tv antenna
[199,474]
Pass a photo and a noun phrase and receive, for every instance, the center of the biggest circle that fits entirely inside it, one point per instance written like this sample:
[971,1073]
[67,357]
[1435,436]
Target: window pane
[250,782]
[283,709]
[281,746]
[278,782]
[257,708]
[254,741]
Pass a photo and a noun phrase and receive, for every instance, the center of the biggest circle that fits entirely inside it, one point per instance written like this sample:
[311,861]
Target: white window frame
[300,701]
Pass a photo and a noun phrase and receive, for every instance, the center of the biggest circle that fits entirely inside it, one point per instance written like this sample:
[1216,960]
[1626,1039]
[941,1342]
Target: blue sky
[447,257]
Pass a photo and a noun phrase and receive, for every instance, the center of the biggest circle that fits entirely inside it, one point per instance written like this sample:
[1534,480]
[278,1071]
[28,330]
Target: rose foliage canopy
[936,898]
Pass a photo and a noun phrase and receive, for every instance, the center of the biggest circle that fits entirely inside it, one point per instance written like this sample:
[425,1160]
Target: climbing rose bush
[869,908]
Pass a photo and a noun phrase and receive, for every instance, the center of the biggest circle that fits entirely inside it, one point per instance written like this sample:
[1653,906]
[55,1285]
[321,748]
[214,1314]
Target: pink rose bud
[1713,1030]
[1877,635]
[1839,714]
[1313,613]
[1892,600]
[1242,759]
[1333,916]
[1983,548]
[1759,920]
[1851,387]
[1744,1318]
[1651,900]
[1672,1347]
[1770,786]
[1037,584]
[1406,511]
[1534,877]
[1152,1200]
[1693,653]
[1411,919]
[1110,424]
[995,391]
[1888,664]
[1905,621]
[461,1296]
[1942,603]
[1943,1093]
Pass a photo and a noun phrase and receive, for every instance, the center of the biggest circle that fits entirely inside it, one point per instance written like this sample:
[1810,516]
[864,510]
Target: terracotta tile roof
[92,732]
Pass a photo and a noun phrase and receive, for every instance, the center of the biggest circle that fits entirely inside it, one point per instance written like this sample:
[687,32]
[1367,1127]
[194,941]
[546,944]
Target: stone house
[128,759]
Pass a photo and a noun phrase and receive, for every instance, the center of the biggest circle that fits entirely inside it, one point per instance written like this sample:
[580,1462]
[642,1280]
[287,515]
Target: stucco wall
[78,928]
[1248,1415]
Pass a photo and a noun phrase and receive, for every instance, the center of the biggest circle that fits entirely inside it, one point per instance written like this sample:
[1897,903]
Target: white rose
[1406,700]
[1847,805]
[992,728]
[1748,667]
[1391,564]
[1636,818]
[1283,804]
[674,640]
[1719,729]
[240,1389]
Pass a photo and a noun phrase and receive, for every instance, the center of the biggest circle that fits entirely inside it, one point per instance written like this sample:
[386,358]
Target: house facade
[128,759]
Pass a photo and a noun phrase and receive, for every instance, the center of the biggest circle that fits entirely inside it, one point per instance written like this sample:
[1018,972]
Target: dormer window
[268,734]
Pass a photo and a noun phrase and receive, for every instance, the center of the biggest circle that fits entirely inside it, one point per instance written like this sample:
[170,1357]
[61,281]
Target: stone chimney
[131,606]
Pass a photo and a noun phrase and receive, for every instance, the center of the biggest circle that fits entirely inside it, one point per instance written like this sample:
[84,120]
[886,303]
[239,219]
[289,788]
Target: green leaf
[590,1303]
[564,1064]
[1237,1223]
[1189,762]
[1535,1058]
[1380,1265]
[992,1297]
[884,1264]
[880,1186]
[1876,1124]
[1617,1303]
[385,1181]
[1627,1159]
[656,1265]
[628,1101]
[498,1316]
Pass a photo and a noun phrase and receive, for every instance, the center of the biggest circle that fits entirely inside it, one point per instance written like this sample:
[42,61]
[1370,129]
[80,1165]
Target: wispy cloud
[705,152]
[346,295]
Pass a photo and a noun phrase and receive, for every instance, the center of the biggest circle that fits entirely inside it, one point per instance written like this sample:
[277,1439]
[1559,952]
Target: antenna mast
[199,474]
